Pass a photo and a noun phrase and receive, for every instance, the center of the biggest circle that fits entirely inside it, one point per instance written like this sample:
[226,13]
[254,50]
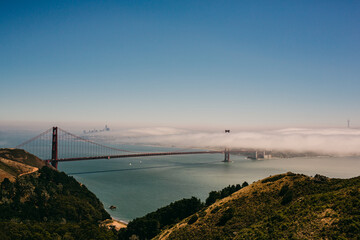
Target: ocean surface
[137,186]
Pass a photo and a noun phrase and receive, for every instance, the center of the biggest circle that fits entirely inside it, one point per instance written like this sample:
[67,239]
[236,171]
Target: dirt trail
[33,170]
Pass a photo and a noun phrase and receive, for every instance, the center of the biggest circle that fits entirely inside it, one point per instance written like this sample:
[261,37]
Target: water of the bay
[137,186]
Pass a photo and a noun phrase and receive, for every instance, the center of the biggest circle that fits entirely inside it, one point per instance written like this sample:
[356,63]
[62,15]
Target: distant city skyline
[196,64]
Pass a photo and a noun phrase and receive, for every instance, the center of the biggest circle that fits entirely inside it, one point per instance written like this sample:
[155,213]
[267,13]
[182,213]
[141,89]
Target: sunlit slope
[15,162]
[288,206]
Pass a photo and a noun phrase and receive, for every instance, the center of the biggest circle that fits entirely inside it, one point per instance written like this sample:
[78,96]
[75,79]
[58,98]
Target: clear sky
[257,64]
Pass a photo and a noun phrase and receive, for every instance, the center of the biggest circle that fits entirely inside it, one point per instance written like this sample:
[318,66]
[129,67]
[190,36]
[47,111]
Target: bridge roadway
[137,155]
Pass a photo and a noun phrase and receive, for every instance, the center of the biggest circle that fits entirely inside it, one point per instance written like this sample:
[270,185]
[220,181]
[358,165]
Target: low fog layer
[340,141]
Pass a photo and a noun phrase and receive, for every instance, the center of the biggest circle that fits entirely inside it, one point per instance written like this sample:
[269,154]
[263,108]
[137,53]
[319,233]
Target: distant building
[264,155]
[260,155]
[106,129]
[267,156]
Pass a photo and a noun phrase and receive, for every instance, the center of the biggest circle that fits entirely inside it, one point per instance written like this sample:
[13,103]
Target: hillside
[16,162]
[286,206]
[47,204]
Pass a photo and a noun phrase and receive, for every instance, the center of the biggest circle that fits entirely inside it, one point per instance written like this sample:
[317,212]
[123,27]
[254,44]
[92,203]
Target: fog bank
[339,141]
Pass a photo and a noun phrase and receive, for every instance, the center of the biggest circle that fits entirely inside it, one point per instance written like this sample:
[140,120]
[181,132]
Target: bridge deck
[135,155]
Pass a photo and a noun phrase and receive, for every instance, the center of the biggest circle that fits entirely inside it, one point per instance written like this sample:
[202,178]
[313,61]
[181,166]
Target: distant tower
[348,123]
[227,151]
[227,155]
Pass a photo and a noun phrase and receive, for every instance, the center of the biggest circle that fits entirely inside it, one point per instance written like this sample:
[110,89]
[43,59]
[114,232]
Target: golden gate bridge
[57,145]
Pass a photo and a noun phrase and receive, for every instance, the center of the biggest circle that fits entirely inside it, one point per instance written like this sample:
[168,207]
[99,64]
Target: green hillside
[286,206]
[48,204]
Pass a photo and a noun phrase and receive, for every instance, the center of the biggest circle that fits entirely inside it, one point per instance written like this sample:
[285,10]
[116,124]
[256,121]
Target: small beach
[117,224]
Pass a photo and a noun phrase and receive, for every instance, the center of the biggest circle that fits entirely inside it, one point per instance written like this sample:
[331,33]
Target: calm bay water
[137,186]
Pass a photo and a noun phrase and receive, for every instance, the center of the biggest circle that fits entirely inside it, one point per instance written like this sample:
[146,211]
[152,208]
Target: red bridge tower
[54,151]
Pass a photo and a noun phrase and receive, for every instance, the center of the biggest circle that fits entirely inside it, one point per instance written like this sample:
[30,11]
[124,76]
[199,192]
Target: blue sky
[209,64]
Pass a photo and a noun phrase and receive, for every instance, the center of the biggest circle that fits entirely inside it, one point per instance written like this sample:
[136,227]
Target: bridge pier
[227,155]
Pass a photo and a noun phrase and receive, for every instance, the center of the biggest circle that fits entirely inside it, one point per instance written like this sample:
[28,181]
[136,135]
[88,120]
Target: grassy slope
[21,156]
[308,208]
[14,162]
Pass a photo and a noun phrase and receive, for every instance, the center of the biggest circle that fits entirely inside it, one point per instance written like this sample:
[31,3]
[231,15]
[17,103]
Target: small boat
[112,207]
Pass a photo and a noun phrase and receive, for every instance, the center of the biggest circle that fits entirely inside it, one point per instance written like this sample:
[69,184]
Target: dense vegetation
[286,206]
[50,205]
[227,191]
[50,196]
[83,230]
[151,224]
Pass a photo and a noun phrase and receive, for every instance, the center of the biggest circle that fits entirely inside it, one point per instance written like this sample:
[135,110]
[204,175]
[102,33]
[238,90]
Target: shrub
[193,219]
[287,197]
[283,190]
[227,191]
[245,184]
[273,178]
[228,214]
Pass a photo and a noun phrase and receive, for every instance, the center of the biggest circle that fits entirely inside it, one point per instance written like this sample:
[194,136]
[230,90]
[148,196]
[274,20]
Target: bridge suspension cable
[92,142]
[68,146]
[57,145]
